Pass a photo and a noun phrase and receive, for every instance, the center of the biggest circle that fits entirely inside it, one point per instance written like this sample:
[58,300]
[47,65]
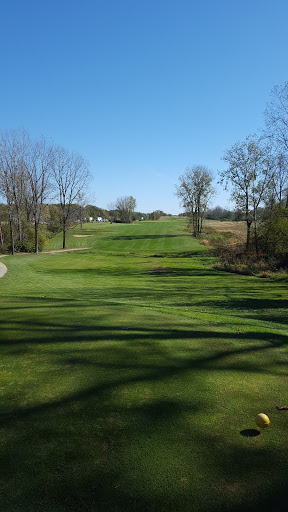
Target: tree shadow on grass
[142,237]
[121,434]
[180,254]
[174,272]
[130,271]
[41,332]
[250,304]
[255,308]
[117,445]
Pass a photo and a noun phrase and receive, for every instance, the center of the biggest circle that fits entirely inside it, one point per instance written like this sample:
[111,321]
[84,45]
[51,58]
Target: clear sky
[141,88]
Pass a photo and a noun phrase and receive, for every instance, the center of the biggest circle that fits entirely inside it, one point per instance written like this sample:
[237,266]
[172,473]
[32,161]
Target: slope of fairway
[131,374]
[160,237]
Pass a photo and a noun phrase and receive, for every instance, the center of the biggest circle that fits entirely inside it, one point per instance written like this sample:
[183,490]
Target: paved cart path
[3,269]
[65,250]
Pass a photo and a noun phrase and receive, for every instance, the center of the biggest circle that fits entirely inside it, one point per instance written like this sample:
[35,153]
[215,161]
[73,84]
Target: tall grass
[227,241]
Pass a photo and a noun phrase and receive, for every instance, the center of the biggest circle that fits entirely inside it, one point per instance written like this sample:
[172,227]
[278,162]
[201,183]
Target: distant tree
[93,211]
[125,207]
[238,215]
[135,216]
[194,191]
[219,213]
[54,218]
[250,172]
[143,216]
[105,214]
[82,212]
[96,211]
[71,175]
[156,214]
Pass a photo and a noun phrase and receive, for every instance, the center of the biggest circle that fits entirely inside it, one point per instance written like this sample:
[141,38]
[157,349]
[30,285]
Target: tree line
[257,176]
[38,177]
[43,188]
[32,172]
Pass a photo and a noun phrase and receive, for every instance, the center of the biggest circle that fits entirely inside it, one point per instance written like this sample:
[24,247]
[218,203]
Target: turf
[131,374]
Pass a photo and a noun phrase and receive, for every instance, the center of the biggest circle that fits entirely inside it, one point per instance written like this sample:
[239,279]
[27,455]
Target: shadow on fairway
[258,309]
[142,237]
[252,304]
[66,331]
[181,254]
[115,446]
[162,271]
[116,429]
[132,428]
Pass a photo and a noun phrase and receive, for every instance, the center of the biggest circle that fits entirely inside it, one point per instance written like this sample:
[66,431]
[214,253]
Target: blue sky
[141,88]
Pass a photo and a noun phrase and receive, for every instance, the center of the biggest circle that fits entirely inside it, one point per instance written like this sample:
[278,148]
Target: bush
[27,244]
[273,236]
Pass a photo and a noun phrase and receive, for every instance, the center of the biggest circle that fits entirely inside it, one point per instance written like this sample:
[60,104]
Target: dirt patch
[81,236]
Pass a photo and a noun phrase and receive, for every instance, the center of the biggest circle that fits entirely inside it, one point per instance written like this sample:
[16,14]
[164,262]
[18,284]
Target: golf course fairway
[131,374]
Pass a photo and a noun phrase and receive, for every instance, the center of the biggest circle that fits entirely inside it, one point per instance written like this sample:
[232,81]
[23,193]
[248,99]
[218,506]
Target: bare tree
[14,146]
[21,146]
[3,215]
[194,191]
[250,173]
[5,180]
[84,200]
[125,206]
[276,117]
[276,121]
[38,171]
[71,175]
[279,191]
[9,166]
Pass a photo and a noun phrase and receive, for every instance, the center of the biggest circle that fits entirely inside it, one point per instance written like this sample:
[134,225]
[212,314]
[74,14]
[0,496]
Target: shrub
[272,241]
[27,244]
[273,236]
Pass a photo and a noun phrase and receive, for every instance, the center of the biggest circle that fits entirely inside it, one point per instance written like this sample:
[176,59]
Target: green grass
[128,372]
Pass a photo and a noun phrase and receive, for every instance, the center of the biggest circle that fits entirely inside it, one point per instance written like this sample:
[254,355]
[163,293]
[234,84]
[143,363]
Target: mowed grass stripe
[128,238]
